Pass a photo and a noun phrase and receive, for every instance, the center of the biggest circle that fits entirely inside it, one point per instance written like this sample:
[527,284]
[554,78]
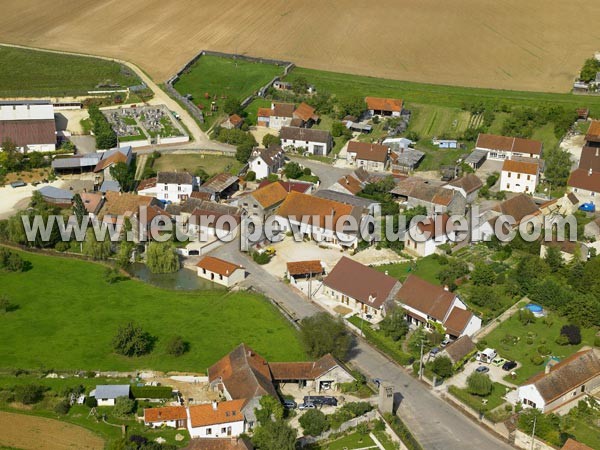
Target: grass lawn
[212,164]
[494,399]
[68,314]
[347,85]
[252,110]
[586,432]
[431,121]
[426,268]
[385,440]
[31,73]
[222,78]
[351,442]
[514,341]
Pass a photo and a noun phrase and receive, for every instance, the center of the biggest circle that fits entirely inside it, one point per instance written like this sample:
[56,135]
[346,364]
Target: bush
[123,407]
[250,175]
[177,346]
[536,359]
[479,384]
[62,407]
[28,394]
[261,258]
[314,422]
[11,261]
[543,350]
[403,432]
[132,340]
[91,402]
[573,334]
[442,366]
[154,392]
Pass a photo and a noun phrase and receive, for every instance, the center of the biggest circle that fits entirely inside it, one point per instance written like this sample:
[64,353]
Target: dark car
[321,400]
[290,404]
[509,365]
[482,369]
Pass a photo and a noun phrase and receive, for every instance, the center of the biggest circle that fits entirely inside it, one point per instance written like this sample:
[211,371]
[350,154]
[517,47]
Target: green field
[516,342]
[212,164]
[68,314]
[31,73]
[438,121]
[426,268]
[346,85]
[221,78]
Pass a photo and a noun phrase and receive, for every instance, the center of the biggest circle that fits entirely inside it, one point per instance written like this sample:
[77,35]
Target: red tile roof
[425,297]
[263,112]
[147,183]
[298,186]
[312,266]
[590,158]
[351,184]
[457,321]
[282,109]
[435,227]
[230,443]
[526,167]
[509,144]
[270,195]
[369,152]
[28,132]
[285,371]
[360,282]
[572,444]
[218,266]
[217,413]
[164,413]
[384,104]
[593,133]
[305,112]
[585,179]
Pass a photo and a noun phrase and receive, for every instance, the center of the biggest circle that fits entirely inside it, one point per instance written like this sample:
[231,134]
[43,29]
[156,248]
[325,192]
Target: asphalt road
[437,425]
[326,172]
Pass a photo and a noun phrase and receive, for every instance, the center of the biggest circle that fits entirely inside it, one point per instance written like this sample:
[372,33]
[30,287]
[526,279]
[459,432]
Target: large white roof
[26,111]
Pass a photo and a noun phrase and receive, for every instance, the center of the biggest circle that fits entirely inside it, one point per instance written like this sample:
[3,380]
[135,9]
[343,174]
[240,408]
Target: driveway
[496,374]
[327,173]
[435,424]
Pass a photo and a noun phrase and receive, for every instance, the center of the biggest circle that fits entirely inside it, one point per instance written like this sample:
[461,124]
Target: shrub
[543,350]
[314,422]
[154,392]
[132,340]
[442,366]
[479,384]
[261,258]
[62,407]
[597,341]
[91,402]
[28,394]
[362,428]
[572,332]
[250,175]
[177,346]
[123,407]
[403,432]
[536,359]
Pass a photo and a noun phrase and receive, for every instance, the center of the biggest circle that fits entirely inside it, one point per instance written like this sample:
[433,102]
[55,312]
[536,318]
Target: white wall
[518,182]
[173,192]
[235,277]
[259,167]
[309,146]
[106,402]
[216,431]
[530,392]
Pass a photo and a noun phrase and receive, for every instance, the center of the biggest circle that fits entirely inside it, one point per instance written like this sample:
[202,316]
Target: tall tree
[322,334]
[78,208]
[276,435]
[94,248]
[161,258]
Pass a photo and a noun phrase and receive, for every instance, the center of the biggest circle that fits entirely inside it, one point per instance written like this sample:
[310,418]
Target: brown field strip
[32,433]
[536,45]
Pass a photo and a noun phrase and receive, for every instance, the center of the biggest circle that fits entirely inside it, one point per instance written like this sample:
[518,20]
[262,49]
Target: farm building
[220,271]
[384,106]
[29,125]
[371,157]
[298,270]
[520,176]
[500,148]
[56,196]
[315,142]
[107,394]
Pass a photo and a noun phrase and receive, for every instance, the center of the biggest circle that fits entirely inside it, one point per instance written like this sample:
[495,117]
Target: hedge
[403,432]
[152,392]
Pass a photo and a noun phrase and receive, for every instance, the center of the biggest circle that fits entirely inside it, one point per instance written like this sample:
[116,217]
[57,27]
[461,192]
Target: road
[436,425]
[326,172]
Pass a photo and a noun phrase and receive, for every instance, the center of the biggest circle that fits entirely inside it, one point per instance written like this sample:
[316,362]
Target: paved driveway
[327,173]
[496,374]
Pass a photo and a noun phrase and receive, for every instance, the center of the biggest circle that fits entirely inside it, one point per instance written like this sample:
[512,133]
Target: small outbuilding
[107,394]
[220,271]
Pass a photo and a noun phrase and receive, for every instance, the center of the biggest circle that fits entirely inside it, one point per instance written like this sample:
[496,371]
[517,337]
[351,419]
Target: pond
[182,280]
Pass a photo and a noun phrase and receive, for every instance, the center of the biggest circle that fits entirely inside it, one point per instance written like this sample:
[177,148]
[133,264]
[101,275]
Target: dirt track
[512,44]
[32,433]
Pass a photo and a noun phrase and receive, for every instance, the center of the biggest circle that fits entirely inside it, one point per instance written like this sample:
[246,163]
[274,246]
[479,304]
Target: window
[220,277]
[518,176]
[204,271]
[223,430]
[509,173]
[507,185]
[208,431]
[528,177]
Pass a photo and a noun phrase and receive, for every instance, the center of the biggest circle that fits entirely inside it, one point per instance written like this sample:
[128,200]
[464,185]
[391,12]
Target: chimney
[446,288]
[597,152]
[215,405]
[590,172]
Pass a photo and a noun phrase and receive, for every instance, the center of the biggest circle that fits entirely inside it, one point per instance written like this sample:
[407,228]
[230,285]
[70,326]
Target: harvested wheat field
[509,44]
[32,433]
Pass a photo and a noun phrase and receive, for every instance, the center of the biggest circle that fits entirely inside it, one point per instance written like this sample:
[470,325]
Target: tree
[270,139]
[11,159]
[232,105]
[589,70]
[250,175]
[112,275]
[486,296]
[123,174]
[62,407]
[300,85]
[394,324]
[483,275]
[161,258]
[132,340]
[554,258]
[453,271]
[338,129]
[583,310]
[78,208]
[98,250]
[526,316]
[124,406]
[314,422]
[270,409]
[442,366]
[276,435]
[91,402]
[202,174]
[322,334]
[28,394]
[479,384]
[176,346]
[293,170]
[573,334]
[351,106]
[557,166]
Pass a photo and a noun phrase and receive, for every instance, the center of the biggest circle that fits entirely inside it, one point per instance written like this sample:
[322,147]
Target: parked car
[321,400]
[509,365]
[498,362]
[482,369]
[377,381]
[445,342]
[306,406]
[434,351]
[290,404]
[18,184]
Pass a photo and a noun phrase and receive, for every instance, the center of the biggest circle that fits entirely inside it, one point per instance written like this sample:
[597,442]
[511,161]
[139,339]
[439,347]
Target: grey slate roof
[56,193]
[111,391]
[110,185]
[175,178]
[305,134]
[347,199]
[476,157]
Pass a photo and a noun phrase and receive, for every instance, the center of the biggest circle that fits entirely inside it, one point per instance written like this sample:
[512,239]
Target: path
[436,424]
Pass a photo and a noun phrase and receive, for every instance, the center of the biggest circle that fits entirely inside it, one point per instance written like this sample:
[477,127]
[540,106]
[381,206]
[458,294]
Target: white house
[29,125]
[217,419]
[264,162]
[315,142]
[169,187]
[425,304]
[220,271]
[107,394]
[500,148]
[277,116]
[562,384]
[424,237]
[168,416]
[520,176]
[316,218]
[371,157]
[468,185]
[377,106]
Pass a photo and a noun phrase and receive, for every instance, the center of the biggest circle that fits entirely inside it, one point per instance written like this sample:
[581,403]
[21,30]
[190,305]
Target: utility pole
[361,323]
[533,431]
[421,361]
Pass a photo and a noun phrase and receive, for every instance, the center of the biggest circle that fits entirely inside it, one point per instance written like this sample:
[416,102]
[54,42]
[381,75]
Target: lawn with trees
[73,315]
